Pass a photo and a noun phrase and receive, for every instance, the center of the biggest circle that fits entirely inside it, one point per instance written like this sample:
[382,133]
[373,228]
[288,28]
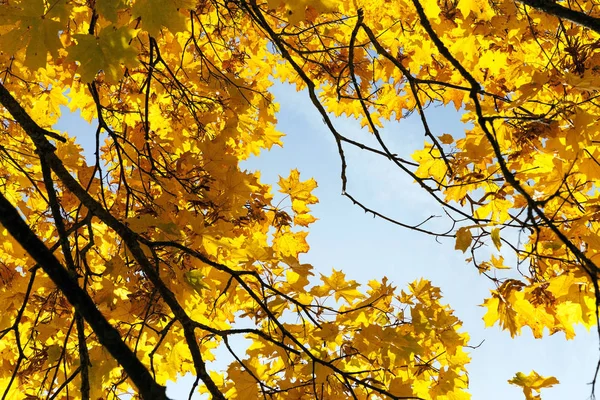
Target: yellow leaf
[491,315]
[246,386]
[532,382]
[36,29]
[304,219]
[296,189]
[446,138]
[298,9]
[337,284]
[322,373]
[54,352]
[432,9]
[301,195]
[498,263]
[465,7]
[290,243]
[14,393]
[401,388]
[496,238]
[463,239]
[431,165]
[108,8]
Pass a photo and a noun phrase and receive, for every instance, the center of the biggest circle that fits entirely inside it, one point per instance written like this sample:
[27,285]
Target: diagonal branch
[107,335]
[553,8]
[63,239]
[46,151]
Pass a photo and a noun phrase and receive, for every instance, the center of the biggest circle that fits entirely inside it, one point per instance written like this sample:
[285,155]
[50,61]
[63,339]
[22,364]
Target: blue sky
[365,248]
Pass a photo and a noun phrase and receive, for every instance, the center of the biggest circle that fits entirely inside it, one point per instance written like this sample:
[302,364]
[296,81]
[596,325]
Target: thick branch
[555,9]
[63,239]
[107,335]
[46,151]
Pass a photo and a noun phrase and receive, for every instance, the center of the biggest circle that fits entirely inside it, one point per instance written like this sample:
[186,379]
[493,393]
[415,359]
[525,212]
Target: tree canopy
[125,271]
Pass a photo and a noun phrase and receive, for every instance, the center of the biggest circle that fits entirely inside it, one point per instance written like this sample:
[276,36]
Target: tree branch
[555,9]
[107,335]
[46,151]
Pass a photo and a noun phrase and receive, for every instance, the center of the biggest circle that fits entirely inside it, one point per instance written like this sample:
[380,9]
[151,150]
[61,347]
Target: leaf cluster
[120,272]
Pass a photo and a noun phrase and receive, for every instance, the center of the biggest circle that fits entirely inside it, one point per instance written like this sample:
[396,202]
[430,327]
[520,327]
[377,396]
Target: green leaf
[45,40]
[195,278]
[35,28]
[109,8]
[105,53]
[158,13]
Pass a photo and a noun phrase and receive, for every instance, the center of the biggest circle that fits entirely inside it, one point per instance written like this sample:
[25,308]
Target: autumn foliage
[122,272]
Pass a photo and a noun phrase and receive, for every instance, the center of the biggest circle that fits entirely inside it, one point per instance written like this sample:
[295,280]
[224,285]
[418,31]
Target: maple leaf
[178,246]
[337,284]
[301,195]
[446,138]
[34,27]
[195,279]
[299,10]
[156,14]
[532,382]
[298,190]
[108,53]
[245,384]
[109,8]
[430,164]
[290,243]
[463,239]
[496,238]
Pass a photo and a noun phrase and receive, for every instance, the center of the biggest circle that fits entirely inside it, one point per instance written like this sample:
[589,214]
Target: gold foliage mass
[122,272]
